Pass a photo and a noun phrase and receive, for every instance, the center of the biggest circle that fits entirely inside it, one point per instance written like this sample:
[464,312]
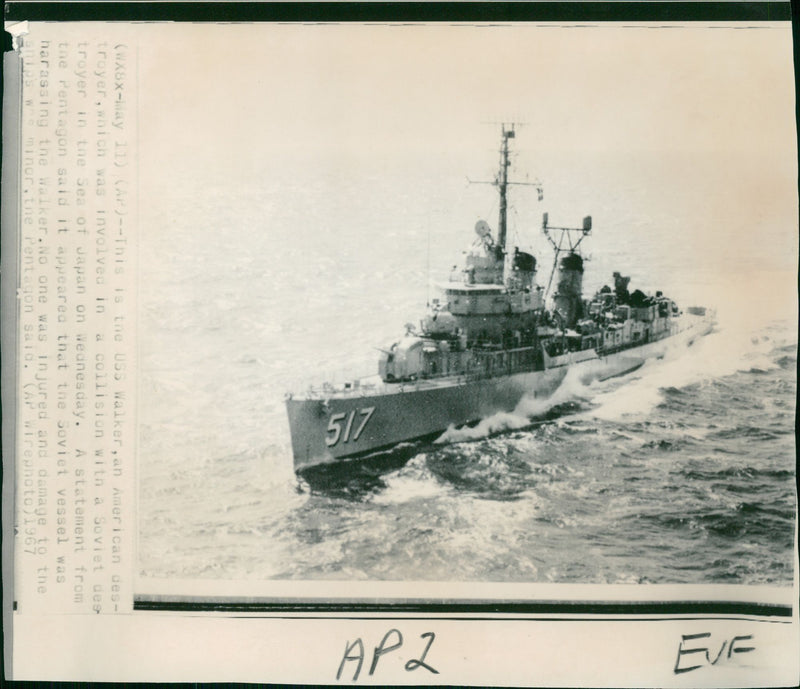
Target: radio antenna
[428,269]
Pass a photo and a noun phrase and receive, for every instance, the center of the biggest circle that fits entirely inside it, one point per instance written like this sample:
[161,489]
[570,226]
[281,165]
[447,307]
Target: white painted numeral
[367,414]
[349,426]
[335,426]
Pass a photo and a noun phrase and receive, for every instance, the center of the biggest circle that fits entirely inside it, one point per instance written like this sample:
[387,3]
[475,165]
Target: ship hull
[340,427]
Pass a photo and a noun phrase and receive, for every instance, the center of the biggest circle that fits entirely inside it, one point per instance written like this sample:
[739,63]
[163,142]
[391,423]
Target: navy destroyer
[493,337]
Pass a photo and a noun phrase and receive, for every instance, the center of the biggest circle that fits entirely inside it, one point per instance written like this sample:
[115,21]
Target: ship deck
[374,385]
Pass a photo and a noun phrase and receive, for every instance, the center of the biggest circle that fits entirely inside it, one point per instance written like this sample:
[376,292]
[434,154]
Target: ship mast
[568,241]
[502,184]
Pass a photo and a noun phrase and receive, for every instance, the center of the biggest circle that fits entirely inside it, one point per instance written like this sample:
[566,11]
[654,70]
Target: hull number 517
[335,430]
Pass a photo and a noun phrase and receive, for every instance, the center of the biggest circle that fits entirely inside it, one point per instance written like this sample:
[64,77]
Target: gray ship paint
[489,344]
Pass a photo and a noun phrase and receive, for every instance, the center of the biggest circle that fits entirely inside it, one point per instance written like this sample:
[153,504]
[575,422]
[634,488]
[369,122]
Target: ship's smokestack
[568,297]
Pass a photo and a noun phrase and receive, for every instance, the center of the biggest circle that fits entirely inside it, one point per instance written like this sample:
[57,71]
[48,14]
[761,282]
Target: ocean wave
[746,432]
[568,398]
[413,482]
[665,445]
[492,470]
[747,473]
[722,353]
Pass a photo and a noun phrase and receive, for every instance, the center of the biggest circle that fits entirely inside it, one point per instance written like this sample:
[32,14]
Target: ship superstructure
[488,341]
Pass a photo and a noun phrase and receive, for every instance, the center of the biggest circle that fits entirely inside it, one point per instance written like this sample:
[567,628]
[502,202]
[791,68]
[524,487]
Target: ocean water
[682,472]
